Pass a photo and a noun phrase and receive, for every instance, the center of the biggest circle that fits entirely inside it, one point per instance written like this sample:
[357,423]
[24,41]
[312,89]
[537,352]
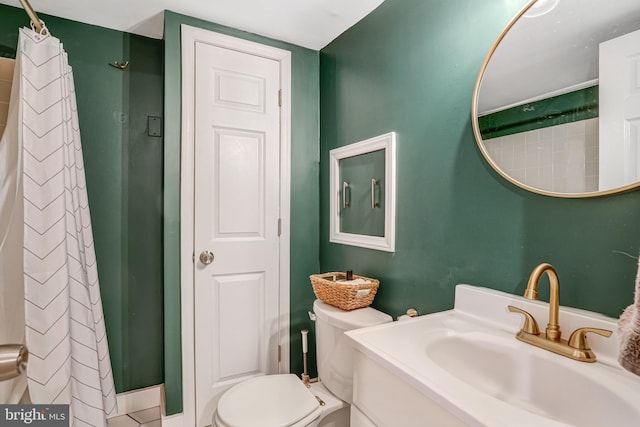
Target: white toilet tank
[333,350]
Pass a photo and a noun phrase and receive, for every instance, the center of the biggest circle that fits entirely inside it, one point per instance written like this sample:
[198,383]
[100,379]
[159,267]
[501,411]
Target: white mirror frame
[387,242]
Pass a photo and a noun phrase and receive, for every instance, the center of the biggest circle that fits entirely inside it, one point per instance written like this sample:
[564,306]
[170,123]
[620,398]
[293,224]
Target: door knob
[206,257]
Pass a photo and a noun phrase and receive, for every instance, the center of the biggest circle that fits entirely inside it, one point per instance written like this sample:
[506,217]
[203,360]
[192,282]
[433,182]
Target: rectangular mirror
[362,188]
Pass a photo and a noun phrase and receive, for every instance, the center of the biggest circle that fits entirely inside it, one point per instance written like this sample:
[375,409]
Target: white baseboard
[176,420]
[138,400]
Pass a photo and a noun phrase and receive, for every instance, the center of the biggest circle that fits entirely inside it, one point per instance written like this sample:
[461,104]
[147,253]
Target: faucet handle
[530,325]
[578,338]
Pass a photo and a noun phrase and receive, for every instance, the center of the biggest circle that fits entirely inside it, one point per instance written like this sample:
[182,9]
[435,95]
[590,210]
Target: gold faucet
[576,347]
[553,328]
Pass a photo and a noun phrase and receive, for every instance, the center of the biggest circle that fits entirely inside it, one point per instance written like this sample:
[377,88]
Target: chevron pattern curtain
[65,332]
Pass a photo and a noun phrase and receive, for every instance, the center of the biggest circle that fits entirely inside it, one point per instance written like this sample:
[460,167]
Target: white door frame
[191,35]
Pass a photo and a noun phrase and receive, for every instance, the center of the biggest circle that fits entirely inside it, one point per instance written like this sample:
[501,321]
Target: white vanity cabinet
[389,401]
[358,419]
[465,367]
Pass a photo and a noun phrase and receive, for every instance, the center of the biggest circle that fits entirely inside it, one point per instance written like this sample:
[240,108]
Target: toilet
[284,400]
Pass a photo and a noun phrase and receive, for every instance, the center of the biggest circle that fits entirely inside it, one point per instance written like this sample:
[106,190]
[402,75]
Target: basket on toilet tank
[334,289]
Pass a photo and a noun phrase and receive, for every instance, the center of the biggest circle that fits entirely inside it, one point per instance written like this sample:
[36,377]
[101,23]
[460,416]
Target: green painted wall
[558,110]
[304,192]
[410,67]
[124,181]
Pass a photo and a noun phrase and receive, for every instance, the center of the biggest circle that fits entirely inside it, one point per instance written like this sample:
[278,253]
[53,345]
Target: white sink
[469,362]
[536,381]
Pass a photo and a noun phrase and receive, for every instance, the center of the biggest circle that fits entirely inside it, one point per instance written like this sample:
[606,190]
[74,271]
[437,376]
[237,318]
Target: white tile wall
[6,77]
[561,158]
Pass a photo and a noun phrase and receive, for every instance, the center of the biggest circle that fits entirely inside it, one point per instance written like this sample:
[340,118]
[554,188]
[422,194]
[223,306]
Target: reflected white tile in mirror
[561,158]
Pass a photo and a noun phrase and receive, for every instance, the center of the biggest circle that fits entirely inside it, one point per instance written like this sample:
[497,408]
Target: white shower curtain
[64,327]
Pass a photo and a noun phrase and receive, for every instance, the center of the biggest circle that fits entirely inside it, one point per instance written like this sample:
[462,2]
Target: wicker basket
[342,295]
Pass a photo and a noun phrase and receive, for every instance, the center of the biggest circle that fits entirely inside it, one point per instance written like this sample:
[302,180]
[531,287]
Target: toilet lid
[268,401]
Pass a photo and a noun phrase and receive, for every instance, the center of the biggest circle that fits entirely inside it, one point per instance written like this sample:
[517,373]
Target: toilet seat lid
[270,400]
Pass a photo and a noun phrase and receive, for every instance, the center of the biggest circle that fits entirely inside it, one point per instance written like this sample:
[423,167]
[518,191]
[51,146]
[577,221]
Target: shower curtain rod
[32,15]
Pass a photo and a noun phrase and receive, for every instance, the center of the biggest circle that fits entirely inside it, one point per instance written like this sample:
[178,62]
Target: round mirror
[556,107]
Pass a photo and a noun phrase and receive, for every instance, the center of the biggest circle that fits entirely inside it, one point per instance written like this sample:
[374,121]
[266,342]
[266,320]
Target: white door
[237,184]
[619,111]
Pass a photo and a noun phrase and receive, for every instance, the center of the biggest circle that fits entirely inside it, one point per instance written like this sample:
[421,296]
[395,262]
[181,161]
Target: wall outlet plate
[154,126]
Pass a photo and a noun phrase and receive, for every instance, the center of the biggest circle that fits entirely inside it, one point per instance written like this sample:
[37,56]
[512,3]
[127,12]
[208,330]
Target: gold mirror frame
[483,149]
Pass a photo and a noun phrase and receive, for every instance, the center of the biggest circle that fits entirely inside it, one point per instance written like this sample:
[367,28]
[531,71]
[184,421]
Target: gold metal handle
[206,257]
[345,203]
[578,338]
[530,325]
[374,204]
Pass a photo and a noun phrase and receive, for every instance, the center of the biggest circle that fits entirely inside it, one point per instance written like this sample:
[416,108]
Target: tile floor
[147,418]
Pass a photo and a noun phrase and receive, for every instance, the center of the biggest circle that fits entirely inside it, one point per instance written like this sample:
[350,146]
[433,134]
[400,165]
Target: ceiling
[546,55]
[308,23]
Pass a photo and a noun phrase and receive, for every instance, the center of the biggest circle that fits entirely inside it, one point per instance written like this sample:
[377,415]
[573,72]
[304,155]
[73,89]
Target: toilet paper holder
[13,360]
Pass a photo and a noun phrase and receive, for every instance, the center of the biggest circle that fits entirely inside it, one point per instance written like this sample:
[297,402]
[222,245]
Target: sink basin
[468,361]
[536,381]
